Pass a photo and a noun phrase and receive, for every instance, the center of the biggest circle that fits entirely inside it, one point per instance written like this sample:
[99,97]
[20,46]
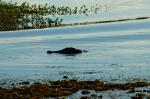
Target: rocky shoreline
[62,88]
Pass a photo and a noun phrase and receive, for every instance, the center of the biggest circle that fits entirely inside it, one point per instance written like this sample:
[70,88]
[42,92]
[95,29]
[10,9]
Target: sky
[114,4]
[88,2]
[63,2]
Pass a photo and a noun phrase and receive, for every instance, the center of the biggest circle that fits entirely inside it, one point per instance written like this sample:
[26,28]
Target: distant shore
[88,23]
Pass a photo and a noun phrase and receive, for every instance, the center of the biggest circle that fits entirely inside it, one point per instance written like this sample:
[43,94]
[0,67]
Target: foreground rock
[68,51]
[65,88]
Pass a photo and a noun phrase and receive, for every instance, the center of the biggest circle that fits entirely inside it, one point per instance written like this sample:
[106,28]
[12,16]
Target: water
[118,52]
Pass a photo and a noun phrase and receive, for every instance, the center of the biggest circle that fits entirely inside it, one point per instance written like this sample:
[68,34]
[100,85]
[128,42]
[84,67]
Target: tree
[14,16]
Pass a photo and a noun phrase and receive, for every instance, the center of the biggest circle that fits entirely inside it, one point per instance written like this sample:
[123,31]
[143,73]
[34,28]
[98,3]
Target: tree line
[14,16]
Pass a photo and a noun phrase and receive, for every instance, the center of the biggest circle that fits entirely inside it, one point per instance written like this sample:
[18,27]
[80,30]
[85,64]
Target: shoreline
[62,88]
[85,23]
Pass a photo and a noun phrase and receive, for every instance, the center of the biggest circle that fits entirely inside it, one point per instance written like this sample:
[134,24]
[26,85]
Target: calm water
[118,52]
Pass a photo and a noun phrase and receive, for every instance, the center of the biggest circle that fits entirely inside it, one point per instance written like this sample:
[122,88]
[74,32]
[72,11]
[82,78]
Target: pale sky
[121,4]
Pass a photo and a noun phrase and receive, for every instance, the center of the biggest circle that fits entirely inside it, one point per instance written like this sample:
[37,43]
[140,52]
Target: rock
[138,96]
[132,90]
[68,51]
[148,97]
[93,95]
[25,83]
[37,83]
[65,77]
[85,92]
[100,97]
[84,97]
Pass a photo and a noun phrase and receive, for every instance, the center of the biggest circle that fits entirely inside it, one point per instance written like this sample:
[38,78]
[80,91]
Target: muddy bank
[64,88]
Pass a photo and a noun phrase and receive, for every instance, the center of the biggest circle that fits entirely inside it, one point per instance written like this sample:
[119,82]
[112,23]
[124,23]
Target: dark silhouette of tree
[25,16]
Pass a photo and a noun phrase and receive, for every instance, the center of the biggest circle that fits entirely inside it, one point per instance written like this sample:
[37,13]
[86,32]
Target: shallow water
[118,52]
